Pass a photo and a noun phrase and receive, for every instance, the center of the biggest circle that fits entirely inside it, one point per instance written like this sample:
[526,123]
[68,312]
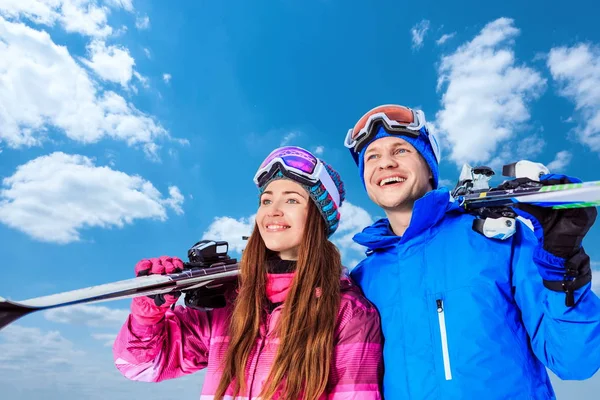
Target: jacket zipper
[444,338]
[261,346]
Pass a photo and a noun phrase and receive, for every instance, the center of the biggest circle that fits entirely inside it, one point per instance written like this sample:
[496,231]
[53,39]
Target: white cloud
[142,22]
[143,80]
[39,11]
[418,33]
[45,364]
[75,16]
[175,200]
[151,151]
[576,69]
[107,338]
[167,78]
[527,148]
[88,315]
[445,37]
[40,353]
[596,277]
[147,52]
[560,162]
[124,4]
[230,230]
[486,97]
[287,139]
[52,198]
[120,32]
[42,86]
[112,63]
[319,150]
[353,220]
[447,183]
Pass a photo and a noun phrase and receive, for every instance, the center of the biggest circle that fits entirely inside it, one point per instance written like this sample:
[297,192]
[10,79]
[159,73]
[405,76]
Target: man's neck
[399,219]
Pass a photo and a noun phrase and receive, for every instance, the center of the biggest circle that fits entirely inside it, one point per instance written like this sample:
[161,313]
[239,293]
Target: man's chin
[392,199]
[393,206]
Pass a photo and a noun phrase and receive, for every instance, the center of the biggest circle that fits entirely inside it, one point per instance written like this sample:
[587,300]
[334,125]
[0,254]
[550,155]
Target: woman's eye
[266,202]
[292,201]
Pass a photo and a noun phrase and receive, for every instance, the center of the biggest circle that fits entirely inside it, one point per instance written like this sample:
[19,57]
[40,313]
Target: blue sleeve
[565,339]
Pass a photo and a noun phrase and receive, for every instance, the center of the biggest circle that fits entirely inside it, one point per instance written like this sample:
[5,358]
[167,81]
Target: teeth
[277,227]
[391,179]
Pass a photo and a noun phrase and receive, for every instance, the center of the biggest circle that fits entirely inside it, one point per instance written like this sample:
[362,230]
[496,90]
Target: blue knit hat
[320,195]
[420,143]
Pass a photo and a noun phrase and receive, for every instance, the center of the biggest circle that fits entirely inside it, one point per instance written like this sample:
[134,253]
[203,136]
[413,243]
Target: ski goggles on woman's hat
[397,120]
[323,183]
[299,165]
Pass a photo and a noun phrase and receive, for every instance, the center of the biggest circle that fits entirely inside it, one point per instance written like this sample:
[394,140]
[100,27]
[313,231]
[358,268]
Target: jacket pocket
[476,336]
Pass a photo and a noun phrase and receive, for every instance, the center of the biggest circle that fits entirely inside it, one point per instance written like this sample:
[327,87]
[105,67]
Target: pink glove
[149,310]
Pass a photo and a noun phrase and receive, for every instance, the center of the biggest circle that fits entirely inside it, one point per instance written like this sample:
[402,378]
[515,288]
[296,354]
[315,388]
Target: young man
[465,316]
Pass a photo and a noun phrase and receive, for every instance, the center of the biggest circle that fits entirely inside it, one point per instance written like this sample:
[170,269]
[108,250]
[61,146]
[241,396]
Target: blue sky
[129,129]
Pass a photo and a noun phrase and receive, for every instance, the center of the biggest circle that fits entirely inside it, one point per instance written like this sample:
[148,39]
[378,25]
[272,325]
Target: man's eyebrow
[372,149]
[393,146]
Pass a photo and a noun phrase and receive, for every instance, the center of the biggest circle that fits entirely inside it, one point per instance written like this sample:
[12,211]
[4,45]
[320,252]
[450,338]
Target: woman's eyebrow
[294,192]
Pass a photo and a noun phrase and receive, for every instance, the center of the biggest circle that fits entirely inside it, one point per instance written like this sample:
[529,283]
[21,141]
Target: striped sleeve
[175,346]
[358,361]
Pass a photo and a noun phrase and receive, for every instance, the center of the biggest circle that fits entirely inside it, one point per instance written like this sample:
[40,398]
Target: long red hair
[307,324]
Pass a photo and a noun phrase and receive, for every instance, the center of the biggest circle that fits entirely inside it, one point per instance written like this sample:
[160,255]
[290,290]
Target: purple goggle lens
[293,157]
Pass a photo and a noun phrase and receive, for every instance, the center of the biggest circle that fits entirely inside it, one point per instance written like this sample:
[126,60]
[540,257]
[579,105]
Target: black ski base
[10,312]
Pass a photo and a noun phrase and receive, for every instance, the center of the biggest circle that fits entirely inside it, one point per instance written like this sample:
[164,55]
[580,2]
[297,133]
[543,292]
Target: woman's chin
[283,250]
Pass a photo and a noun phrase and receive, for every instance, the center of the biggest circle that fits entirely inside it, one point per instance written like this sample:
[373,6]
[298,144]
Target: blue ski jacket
[467,317]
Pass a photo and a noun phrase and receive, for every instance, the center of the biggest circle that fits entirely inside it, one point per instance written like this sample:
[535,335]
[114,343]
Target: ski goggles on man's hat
[396,120]
[298,165]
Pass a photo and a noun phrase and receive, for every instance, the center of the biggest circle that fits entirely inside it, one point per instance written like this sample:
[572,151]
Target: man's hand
[560,232]
[565,267]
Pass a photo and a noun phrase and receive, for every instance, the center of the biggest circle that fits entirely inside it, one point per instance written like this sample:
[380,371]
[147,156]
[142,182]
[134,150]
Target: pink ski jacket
[188,340]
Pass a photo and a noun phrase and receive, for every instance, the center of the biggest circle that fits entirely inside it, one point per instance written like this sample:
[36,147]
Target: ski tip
[10,312]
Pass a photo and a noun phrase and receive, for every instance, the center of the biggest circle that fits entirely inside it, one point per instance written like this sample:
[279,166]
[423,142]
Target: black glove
[203,298]
[560,233]
[562,230]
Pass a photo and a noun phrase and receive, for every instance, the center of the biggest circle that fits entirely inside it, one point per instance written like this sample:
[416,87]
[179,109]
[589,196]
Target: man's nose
[387,161]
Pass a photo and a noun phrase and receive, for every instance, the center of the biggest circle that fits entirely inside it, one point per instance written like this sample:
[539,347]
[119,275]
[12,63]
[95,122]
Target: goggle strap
[329,184]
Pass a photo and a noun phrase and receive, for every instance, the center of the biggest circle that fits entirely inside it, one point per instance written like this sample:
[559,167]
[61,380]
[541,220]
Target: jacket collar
[427,212]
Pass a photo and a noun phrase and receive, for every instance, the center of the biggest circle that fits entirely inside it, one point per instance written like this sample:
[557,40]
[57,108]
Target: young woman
[295,328]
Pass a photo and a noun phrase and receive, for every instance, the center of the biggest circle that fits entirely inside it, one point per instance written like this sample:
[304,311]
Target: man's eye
[372,156]
[398,151]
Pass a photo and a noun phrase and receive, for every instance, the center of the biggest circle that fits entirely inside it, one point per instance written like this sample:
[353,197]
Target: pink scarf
[278,286]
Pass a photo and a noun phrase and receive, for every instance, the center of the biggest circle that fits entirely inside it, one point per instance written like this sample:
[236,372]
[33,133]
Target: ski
[210,269]
[201,273]
[571,195]
[493,207]
[473,191]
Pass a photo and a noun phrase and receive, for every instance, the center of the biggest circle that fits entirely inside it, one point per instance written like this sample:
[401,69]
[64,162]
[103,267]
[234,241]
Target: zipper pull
[440,305]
